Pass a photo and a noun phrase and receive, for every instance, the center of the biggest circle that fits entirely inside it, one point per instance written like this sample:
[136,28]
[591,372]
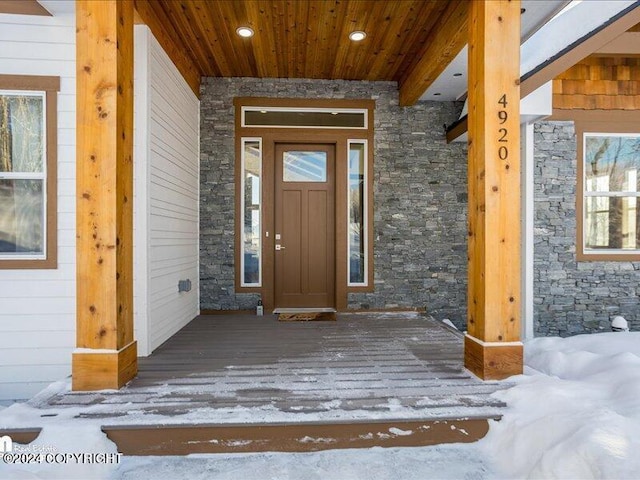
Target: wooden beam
[493,348]
[23,7]
[106,354]
[440,49]
[151,13]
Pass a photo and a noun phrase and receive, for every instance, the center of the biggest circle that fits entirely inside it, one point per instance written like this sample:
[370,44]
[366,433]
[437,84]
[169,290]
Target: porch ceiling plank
[339,58]
[186,29]
[164,31]
[259,18]
[104,186]
[443,43]
[283,44]
[492,347]
[235,15]
[301,39]
[210,21]
[197,15]
[413,37]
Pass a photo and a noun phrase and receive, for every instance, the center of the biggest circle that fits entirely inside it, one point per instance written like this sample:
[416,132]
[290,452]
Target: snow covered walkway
[574,414]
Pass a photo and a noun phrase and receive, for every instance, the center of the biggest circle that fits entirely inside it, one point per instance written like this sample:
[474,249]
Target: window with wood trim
[610,187]
[28,147]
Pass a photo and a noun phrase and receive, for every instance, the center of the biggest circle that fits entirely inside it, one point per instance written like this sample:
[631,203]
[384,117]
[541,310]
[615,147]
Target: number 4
[503,100]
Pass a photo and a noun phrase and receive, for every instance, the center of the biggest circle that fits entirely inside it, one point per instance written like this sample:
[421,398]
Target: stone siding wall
[420,198]
[571,297]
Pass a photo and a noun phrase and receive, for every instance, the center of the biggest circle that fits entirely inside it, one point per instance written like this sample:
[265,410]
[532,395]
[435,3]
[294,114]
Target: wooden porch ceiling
[408,41]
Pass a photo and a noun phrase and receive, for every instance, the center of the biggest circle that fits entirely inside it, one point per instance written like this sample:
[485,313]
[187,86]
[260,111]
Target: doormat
[307,317]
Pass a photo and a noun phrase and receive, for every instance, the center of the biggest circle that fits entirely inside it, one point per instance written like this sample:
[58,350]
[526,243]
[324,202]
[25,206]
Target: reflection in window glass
[611,191]
[22,175]
[251,211]
[21,217]
[357,213]
[304,166]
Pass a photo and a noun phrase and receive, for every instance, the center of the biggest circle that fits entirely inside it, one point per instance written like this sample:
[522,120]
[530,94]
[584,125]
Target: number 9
[502,115]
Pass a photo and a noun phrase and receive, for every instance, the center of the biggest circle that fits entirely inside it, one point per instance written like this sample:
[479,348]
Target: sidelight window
[251,208]
[357,205]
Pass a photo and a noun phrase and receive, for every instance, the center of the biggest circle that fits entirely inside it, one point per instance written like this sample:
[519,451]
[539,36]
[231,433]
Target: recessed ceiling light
[457,74]
[263,111]
[244,32]
[334,113]
[357,36]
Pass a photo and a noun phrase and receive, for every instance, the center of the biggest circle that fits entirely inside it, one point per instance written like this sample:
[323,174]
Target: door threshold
[305,310]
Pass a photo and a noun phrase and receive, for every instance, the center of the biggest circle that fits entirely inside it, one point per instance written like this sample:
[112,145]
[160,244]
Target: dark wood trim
[338,137]
[301,103]
[298,437]
[51,86]
[30,82]
[457,129]
[23,7]
[596,121]
[22,436]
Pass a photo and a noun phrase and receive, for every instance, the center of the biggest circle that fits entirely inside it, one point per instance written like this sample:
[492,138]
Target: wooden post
[106,356]
[492,346]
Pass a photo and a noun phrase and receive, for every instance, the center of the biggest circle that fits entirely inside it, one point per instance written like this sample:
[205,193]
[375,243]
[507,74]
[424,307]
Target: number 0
[503,153]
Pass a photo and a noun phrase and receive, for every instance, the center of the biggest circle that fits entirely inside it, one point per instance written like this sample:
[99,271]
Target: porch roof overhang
[411,42]
[576,35]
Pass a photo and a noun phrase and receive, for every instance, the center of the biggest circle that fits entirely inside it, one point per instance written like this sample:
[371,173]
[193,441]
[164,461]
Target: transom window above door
[282,117]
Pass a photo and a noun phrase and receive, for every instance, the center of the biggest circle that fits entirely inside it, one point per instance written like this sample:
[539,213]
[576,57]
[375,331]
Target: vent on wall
[184,286]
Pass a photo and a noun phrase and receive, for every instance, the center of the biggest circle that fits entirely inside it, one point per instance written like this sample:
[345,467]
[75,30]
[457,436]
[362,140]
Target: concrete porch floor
[225,375]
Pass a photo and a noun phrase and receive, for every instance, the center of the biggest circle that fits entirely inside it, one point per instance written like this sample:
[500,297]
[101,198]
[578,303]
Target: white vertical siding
[140,189]
[37,307]
[172,170]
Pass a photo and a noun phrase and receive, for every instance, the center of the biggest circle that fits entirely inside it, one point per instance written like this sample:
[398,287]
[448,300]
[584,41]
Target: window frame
[49,88]
[365,220]
[243,283]
[610,126]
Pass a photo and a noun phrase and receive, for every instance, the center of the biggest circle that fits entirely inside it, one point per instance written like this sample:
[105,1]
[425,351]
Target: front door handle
[279,247]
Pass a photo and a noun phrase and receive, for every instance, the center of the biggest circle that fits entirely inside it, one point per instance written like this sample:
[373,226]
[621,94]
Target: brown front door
[305,224]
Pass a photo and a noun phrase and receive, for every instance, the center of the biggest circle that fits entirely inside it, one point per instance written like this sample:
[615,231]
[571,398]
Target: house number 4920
[503,133]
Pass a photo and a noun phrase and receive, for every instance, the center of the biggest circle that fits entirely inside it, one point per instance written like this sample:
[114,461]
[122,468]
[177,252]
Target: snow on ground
[574,414]
[440,462]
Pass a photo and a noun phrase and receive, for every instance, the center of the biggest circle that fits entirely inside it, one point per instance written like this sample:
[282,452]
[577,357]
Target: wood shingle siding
[599,83]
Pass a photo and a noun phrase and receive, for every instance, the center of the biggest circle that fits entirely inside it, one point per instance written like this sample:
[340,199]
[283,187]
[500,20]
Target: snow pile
[575,413]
